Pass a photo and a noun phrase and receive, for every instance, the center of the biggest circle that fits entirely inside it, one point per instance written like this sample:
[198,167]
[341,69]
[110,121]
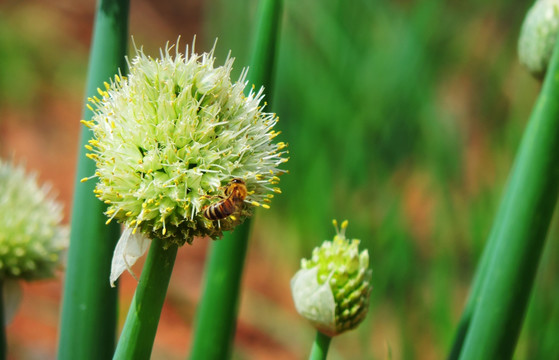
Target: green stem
[88,322]
[217,312]
[320,346]
[3,342]
[138,334]
[215,323]
[264,52]
[519,233]
[473,297]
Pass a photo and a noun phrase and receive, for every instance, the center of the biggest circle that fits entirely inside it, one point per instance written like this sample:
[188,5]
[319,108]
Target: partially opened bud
[332,288]
[538,35]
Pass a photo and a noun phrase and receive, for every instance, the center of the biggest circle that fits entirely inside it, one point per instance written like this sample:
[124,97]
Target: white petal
[12,299]
[130,247]
[313,301]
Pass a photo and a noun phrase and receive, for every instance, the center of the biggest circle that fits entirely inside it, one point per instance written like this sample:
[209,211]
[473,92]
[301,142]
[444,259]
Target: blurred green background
[401,116]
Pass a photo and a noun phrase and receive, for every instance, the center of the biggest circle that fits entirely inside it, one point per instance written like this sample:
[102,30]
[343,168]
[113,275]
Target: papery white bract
[129,248]
[314,301]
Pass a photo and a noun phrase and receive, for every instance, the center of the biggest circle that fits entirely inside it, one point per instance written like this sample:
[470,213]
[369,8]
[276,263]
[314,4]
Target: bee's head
[237,181]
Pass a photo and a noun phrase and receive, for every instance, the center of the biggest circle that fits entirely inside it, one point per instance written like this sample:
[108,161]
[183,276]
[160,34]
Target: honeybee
[235,192]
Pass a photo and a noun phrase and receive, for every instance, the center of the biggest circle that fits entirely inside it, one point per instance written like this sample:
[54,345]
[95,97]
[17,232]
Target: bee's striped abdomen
[236,193]
[220,210]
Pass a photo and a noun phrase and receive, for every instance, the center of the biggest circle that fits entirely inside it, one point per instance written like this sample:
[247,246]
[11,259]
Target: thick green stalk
[264,50]
[477,283]
[217,313]
[519,232]
[138,334]
[88,324]
[320,346]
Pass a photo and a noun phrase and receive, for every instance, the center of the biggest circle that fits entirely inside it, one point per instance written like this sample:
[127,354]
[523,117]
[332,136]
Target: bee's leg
[220,197]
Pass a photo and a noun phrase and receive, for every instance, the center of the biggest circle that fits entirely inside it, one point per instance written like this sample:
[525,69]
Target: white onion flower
[170,137]
[32,238]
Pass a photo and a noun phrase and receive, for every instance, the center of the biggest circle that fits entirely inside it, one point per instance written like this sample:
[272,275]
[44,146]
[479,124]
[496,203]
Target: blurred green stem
[3,342]
[88,323]
[320,346]
[138,334]
[264,50]
[217,312]
[215,323]
[493,318]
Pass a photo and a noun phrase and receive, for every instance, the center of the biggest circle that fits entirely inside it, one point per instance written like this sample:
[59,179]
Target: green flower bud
[169,139]
[32,238]
[332,288]
[538,35]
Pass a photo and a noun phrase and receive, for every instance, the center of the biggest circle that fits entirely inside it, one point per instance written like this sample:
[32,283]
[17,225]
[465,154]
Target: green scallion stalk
[518,235]
[88,324]
[473,297]
[3,342]
[264,49]
[319,349]
[216,317]
[138,334]
[217,312]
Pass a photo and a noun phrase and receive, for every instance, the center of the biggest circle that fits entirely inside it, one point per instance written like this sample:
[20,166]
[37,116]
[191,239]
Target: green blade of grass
[519,233]
[138,334]
[217,312]
[88,322]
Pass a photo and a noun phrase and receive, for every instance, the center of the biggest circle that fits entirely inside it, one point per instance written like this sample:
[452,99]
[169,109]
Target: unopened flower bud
[538,36]
[332,288]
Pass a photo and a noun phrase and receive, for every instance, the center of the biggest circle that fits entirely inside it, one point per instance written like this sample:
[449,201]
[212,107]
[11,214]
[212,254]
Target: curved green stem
[320,346]
[518,236]
[88,322]
[138,334]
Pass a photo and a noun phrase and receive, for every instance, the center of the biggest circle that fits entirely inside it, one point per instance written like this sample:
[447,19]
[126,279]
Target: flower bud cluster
[332,288]
[538,36]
